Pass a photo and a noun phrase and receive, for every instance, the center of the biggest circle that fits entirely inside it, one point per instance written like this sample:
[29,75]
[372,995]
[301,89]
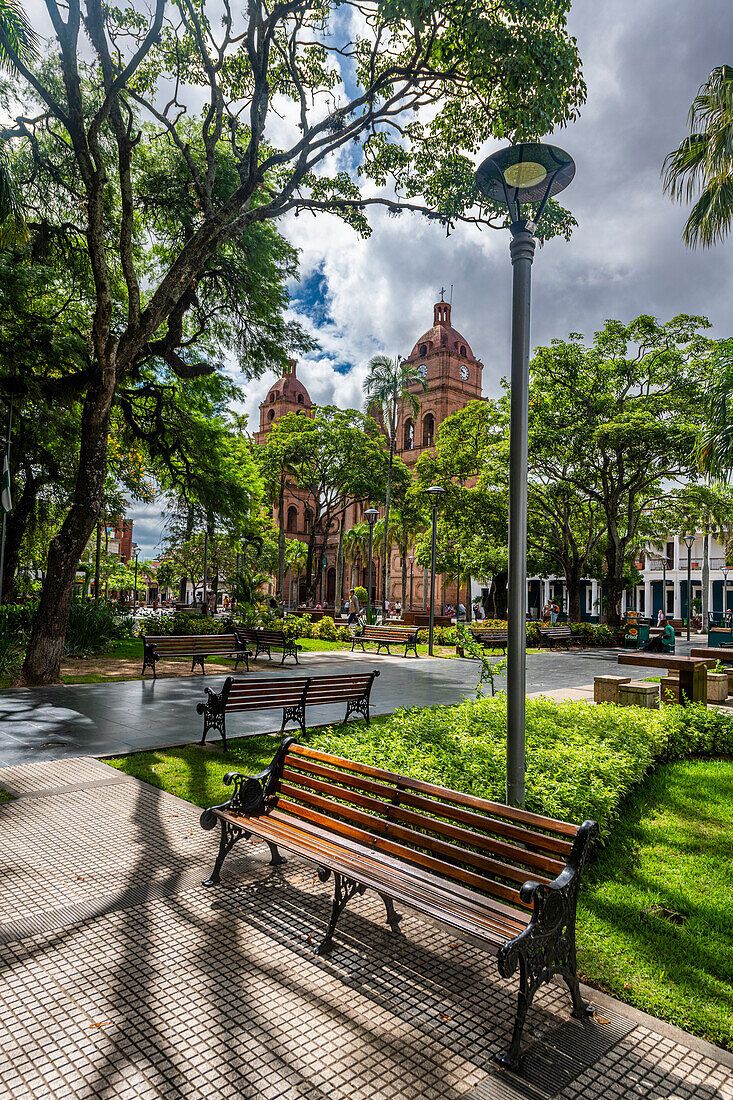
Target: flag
[6,504]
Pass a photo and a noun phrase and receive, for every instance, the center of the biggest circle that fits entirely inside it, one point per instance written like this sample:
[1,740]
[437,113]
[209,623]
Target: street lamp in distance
[435,492]
[136,551]
[688,541]
[520,175]
[371,518]
[412,563]
[725,572]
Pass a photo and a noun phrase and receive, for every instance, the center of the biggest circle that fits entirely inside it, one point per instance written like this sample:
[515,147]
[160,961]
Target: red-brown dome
[441,335]
[289,388]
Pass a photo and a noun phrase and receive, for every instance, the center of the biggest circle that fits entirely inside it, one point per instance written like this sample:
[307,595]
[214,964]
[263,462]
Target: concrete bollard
[605,688]
[639,693]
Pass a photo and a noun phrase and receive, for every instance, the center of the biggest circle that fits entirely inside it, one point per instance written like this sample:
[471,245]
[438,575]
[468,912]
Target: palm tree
[356,542]
[388,383]
[702,164]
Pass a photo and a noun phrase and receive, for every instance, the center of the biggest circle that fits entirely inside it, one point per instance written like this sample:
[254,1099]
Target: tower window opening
[292,524]
[300,398]
[271,414]
[463,349]
[409,435]
[428,430]
[423,349]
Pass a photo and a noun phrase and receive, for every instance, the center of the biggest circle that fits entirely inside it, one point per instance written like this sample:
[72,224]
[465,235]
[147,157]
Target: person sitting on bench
[662,643]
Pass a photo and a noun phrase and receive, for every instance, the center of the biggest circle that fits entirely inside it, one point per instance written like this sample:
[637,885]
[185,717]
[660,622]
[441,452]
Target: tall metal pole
[458,599]
[432,577]
[522,253]
[205,607]
[134,594]
[369,582]
[2,538]
[411,578]
[689,586]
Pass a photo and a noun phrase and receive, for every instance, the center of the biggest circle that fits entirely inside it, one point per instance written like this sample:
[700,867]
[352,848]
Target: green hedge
[582,760]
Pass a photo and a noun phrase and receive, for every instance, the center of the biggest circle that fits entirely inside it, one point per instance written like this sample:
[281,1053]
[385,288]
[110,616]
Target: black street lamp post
[371,515]
[689,539]
[514,177]
[136,552]
[435,492]
[725,593]
[412,562]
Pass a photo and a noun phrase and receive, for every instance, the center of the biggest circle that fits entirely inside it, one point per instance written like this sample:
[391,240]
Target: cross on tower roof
[442,294]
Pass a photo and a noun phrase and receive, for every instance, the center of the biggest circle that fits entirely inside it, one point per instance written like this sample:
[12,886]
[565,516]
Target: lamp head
[435,492]
[527,173]
[371,515]
[688,540]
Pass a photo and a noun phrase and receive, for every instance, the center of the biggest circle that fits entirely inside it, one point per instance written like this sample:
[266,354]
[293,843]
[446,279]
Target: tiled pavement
[123,978]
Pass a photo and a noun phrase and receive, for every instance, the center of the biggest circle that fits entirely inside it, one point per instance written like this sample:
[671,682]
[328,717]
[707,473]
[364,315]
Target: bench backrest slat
[482,805]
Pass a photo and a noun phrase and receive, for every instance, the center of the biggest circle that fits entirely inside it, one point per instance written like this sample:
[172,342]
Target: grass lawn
[655,916]
[671,849]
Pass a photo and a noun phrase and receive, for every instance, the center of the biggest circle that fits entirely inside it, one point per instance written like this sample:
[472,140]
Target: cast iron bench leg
[230,834]
[344,890]
[276,858]
[393,917]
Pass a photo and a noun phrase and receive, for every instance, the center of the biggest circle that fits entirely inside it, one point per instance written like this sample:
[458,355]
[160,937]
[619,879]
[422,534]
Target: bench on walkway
[557,635]
[293,695]
[196,646]
[385,636]
[489,639]
[692,671]
[266,640]
[506,879]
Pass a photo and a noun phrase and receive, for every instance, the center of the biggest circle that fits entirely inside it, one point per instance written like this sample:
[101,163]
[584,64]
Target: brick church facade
[453,377]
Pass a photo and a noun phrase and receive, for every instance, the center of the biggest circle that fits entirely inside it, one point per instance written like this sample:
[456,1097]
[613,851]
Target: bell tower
[453,377]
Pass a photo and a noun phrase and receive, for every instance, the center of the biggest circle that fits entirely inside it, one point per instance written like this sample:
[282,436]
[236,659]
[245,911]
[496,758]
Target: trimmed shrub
[93,626]
[180,622]
[582,760]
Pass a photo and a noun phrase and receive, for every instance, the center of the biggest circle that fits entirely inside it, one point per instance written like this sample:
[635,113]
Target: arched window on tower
[428,430]
[270,414]
[463,349]
[300,398]
[292,524]
[409,435]
[423,349]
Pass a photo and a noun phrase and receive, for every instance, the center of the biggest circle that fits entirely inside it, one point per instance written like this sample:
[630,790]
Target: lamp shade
[371,515]
[526,173]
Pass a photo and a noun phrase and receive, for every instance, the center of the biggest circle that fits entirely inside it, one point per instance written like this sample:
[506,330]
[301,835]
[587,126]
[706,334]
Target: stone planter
[729,674]
[717,687]
[639,693]
[605,688]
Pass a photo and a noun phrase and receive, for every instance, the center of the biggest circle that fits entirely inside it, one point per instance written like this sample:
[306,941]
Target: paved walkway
[124,979]
[127,716]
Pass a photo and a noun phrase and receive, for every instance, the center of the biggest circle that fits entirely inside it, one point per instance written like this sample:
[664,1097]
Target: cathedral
[452,376]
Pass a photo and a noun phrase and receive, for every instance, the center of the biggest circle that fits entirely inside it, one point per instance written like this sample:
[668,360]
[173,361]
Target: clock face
[422,370]
[464,373]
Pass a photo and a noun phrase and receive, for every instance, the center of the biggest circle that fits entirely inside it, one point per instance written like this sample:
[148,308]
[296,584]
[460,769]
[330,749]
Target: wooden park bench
[557,635]
[198,647]
[293,695]
[266,640]
[504,878]
[489,639]
[385,636]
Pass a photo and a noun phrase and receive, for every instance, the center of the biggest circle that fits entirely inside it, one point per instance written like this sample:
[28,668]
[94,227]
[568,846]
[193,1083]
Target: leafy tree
[338,458]
[390,383]
[619,417]
[702,164]
[417,89]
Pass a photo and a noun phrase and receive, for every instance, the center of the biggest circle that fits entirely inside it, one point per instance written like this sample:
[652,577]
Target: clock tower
[452,376]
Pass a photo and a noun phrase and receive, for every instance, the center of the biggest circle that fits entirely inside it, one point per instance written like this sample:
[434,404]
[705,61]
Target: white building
[664,568]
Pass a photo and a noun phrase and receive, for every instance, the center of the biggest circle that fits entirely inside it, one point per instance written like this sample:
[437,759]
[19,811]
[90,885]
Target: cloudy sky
[643,61]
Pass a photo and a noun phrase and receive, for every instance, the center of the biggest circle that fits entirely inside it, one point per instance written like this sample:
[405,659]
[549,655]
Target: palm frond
[21,40]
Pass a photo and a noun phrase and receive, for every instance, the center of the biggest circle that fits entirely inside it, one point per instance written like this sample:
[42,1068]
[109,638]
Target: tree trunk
[43,659]
[572,579]
[15,528]
[338,593]
[403,551]
[614,581]
[281,540]
[97,557]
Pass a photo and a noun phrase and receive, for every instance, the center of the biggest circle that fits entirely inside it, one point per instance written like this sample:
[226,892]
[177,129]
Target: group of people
[550,612]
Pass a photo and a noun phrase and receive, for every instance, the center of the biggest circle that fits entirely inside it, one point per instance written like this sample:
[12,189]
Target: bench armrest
[547,944]
[252,793]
